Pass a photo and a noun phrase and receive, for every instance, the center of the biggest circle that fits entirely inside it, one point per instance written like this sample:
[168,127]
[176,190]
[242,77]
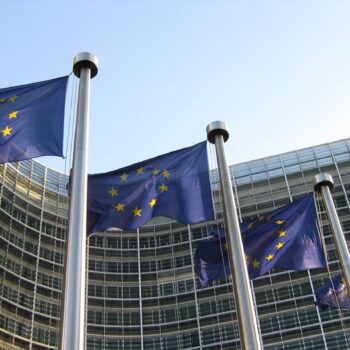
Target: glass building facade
[142,289]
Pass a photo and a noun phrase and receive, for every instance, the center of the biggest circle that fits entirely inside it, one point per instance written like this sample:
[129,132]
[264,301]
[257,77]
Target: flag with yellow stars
[333,294]
[32,120]
[174,185]
[287,238]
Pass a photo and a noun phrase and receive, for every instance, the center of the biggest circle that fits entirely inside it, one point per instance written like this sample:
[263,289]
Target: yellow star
[250,225]
[2,100]
[119,207]
[226,245]
[6,131]
[270,257]
[166,174]
[113,191]
[13,114]
[163,187]
[140,170]
[281,233]
[261,218]
[155,171]
[12,99]
[256,264]
[124,178]
[137,211]
[279,222]
[280,245]
[152,203]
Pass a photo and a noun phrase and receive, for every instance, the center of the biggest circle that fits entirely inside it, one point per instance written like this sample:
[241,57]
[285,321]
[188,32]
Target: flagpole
[324,183]
[72,334]
[217,133]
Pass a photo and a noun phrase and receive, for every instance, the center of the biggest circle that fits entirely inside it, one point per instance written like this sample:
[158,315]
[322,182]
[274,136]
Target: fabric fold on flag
[32,120]
[174,185]
[287,238]
[211,261]
[333,294]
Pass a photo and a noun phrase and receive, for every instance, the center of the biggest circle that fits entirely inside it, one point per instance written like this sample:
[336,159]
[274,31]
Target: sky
[277,72]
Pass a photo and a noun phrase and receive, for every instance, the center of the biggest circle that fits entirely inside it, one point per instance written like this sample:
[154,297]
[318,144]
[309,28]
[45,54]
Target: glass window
[273,163]
[342,157]
[257,166]
[322,151]
[324,161]
[292,169]
[242,180]
[339,147]
[309,165]
[241,170]
[52,180]
[25,167]
[306,155]
[259,176]
[275,172]
[289,159]
[38,174]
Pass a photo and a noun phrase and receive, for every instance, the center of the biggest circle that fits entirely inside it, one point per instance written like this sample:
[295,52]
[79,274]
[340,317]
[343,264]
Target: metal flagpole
[85,66]
[323,183]
[217,133]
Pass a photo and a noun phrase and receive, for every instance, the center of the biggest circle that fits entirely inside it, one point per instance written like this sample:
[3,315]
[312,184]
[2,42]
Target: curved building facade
[33,221]
[142,291]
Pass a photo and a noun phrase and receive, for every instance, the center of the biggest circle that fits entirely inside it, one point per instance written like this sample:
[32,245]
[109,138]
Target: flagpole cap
[217,128]
[85,60]
[322,179]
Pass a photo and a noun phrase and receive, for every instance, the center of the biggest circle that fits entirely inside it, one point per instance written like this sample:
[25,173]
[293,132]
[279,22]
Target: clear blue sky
[278,72]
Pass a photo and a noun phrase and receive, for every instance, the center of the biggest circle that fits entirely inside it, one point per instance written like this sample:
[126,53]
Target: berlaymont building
[142,288]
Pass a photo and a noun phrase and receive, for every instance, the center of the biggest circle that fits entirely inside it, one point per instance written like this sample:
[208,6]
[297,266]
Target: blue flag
[286,238]
[32,120]
[211,261]
[333,294]
[174,185]
[216,232]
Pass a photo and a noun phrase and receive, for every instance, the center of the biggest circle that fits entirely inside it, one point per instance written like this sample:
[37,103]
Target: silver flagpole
[72,333]
[217,133]
[323,183]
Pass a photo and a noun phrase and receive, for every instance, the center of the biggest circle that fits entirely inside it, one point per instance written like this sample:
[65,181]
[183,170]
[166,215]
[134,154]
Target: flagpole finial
[217,128]
[322,179]
[85,60]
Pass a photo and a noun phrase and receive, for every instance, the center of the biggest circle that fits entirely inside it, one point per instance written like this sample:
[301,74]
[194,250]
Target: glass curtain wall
[142,291]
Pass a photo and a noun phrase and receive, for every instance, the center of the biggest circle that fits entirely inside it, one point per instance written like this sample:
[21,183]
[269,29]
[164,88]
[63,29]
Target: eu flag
[285,238]
[32,120]
[174,185]
[211,261]
[333,294]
